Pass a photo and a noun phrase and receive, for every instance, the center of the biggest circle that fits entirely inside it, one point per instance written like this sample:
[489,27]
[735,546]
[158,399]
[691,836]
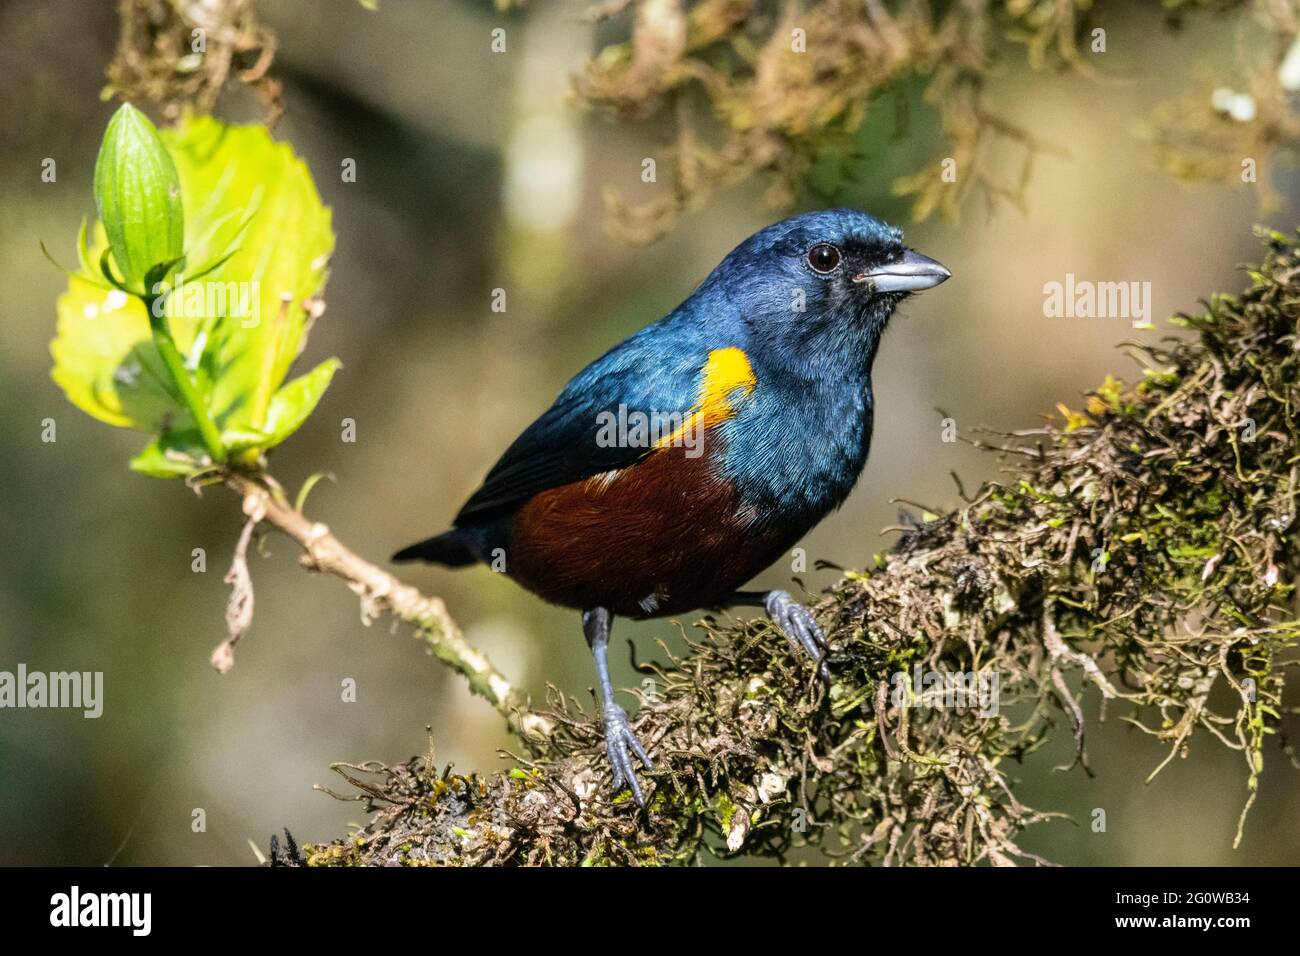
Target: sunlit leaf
[257,242]
[105,361]
[174,455]
[282,239]
[292,404]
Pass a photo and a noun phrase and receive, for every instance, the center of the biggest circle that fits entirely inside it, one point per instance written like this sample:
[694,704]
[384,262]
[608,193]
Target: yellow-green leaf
[105,361]
[173,455]
[257,239]
[242,189]
[291,405]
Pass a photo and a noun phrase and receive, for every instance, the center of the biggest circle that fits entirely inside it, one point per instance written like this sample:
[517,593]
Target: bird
[696,452]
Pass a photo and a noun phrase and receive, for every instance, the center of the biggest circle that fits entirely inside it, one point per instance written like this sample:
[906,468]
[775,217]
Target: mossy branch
[1144,552]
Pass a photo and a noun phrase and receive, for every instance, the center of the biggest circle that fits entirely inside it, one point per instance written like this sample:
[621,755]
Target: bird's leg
[619,739]
[793,620]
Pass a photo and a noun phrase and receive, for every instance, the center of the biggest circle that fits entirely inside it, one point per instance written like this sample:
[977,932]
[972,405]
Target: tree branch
[379,592]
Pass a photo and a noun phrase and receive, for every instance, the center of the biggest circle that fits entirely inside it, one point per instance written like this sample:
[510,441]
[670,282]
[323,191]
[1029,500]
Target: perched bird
[693,454]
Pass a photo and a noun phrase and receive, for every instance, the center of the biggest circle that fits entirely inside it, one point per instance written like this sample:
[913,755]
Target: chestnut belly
[661,537]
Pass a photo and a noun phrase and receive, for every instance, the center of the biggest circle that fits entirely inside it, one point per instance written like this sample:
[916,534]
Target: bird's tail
[449,548]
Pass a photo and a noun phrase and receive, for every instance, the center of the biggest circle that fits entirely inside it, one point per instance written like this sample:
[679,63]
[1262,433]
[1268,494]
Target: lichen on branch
[1142,551]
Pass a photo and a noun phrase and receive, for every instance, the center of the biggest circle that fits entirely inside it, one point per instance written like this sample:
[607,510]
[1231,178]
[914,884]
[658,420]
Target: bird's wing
[651,372]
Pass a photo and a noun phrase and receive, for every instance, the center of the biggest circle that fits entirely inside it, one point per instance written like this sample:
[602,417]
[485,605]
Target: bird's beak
[912,273]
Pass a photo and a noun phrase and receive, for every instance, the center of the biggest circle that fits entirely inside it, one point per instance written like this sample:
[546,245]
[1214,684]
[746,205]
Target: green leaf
[237,441]
[138,195]
[173,455]
[257,239]
[292,404]
[281,241]
[106,363]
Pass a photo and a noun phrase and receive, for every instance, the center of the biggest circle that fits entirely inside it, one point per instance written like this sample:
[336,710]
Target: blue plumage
[769,360]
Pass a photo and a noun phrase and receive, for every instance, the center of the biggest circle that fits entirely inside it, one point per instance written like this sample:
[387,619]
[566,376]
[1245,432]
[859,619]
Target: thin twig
[380,591]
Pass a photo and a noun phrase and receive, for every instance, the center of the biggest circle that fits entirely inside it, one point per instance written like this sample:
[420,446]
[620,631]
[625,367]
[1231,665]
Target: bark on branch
[379,592]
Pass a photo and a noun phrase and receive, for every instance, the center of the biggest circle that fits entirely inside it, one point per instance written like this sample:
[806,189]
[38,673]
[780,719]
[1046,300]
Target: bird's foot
[800,628]
[620,746]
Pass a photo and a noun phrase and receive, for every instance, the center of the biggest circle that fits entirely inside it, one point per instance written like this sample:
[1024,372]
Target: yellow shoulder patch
[725,373]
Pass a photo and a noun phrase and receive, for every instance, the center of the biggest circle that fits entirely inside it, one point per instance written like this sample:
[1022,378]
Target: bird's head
[822,280]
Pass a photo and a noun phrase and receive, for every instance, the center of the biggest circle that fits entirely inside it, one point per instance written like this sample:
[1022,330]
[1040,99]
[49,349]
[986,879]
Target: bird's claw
[800,628]
[620,746]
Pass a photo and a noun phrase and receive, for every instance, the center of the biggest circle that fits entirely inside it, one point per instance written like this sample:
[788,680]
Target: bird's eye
[823,258]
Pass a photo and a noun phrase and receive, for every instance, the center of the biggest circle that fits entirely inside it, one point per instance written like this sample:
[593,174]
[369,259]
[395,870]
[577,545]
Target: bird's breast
[663,536]
[744,474]
[799,448]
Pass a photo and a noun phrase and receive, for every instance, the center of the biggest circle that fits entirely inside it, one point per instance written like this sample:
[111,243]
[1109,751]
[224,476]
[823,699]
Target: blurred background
[473,173]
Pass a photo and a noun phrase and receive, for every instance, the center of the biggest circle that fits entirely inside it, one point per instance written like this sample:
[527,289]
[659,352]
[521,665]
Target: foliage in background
[207,341]
[778,91]
[1224,124]
[772,91]
[1143,552]
[179,54]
